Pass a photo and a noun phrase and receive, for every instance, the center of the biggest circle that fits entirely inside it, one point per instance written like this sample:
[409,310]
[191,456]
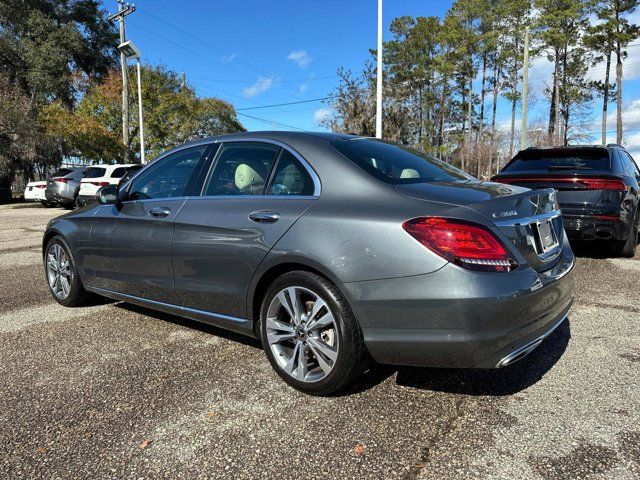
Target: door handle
[264,216]
[159,212]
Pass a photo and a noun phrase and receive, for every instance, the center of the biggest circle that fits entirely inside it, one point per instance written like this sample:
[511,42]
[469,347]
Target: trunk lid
[529,219]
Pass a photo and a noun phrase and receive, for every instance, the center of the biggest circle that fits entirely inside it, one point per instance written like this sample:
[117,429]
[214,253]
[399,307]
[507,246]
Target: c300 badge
[508,213]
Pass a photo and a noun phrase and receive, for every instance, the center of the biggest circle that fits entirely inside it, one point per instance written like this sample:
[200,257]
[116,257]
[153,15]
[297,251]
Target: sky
[253,53]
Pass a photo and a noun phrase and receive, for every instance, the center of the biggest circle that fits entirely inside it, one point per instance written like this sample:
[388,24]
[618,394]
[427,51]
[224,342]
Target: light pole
[129,50]
[379,75]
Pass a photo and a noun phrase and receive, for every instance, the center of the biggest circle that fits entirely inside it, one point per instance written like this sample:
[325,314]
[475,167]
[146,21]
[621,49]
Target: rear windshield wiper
[569,167]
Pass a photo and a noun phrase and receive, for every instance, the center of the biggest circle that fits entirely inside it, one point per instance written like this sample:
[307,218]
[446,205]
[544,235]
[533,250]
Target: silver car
[331,249]
[63,186]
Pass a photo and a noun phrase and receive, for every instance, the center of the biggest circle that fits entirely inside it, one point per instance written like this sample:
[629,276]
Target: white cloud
[262,85]
[300,58]
[303,87]
[229,58]
[322,114]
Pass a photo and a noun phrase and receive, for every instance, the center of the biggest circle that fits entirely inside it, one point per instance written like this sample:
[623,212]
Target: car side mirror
[107,195]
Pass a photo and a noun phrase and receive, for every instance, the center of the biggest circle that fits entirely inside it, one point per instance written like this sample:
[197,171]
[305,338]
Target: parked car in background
[34,192]
[329,248]
[597,190]
[63,186]
[99,176]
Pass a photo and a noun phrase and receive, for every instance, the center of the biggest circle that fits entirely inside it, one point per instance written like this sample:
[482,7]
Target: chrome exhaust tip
[519,353]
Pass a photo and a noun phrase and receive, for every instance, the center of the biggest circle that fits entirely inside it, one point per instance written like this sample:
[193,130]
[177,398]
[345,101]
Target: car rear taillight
[603,184]
[99,184]
[41,186]
[466,244]
[61,180]
[614,217]
[587,183]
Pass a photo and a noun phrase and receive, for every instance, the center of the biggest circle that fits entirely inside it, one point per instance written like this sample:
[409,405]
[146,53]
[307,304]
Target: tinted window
[167,178]
[396,163]
[95,172]
[290,177]
[630,165]
[130,173]
[550,160]
[61,172]
[119,172]
[242,169]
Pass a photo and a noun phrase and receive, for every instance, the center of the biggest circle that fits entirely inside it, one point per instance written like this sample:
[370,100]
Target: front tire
[310,334]
[62,276]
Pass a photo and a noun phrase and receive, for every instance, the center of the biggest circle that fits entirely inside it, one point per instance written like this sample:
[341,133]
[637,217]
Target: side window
[632,166]
[169,177]
[290,177]
[242,168]
[119,172]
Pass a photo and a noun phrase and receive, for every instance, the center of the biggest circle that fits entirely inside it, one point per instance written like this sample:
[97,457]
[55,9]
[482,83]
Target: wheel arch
[265,277]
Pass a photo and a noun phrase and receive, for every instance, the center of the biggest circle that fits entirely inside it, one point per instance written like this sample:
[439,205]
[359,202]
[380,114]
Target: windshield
[550,160]
[397,164]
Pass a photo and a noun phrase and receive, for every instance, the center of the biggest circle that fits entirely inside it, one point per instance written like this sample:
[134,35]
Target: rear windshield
[61,172]
[95,172]
[397,164]
[542,160]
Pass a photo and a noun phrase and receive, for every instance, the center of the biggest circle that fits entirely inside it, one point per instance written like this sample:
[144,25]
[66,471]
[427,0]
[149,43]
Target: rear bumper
[460,319]
[64,194]
[587,227]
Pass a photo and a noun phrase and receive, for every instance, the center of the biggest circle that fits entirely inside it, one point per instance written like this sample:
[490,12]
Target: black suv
[597,190]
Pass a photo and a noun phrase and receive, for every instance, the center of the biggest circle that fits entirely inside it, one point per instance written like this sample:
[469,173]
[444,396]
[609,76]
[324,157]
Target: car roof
[280,135]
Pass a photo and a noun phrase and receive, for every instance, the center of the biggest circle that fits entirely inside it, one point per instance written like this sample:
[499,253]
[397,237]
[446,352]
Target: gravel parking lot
[116,391]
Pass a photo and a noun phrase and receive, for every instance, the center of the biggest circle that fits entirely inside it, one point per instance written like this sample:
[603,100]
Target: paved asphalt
[116,391]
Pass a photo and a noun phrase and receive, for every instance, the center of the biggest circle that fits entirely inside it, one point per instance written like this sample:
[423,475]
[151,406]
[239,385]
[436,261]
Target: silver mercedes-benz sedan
[331,249]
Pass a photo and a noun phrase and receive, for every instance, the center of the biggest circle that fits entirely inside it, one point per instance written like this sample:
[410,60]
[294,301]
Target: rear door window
[290,177]
[95,172]
[242,168]
[560,160]
[119,172]
[630,165]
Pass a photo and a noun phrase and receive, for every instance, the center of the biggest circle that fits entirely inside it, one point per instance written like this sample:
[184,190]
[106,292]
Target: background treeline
[60,92]
[444,78]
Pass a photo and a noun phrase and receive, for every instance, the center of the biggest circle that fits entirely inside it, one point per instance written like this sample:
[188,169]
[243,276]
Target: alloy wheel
[302,334]
[59,272]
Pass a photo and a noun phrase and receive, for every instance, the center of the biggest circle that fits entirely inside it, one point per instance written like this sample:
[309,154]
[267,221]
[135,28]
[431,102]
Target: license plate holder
[547,238]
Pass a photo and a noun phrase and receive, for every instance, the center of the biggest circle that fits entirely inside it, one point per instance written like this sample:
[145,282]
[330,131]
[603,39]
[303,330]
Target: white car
[34,192]
[99,176]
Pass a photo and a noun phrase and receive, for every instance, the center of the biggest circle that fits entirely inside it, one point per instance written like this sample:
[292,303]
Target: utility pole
[123,11]
[558,123]
[379,75]
[525,90]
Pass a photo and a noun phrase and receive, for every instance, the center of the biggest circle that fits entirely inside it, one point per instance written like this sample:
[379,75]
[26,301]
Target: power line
[271,122]
[300,80]
[288,103]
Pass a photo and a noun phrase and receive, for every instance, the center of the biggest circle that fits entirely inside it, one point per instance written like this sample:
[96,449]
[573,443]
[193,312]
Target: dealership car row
[76,187]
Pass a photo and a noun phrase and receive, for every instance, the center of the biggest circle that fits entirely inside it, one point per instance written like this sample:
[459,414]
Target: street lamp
[129,50]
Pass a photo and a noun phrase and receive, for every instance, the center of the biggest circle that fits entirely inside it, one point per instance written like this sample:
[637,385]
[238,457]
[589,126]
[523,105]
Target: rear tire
[323,350]
[627,248]
[62,276]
